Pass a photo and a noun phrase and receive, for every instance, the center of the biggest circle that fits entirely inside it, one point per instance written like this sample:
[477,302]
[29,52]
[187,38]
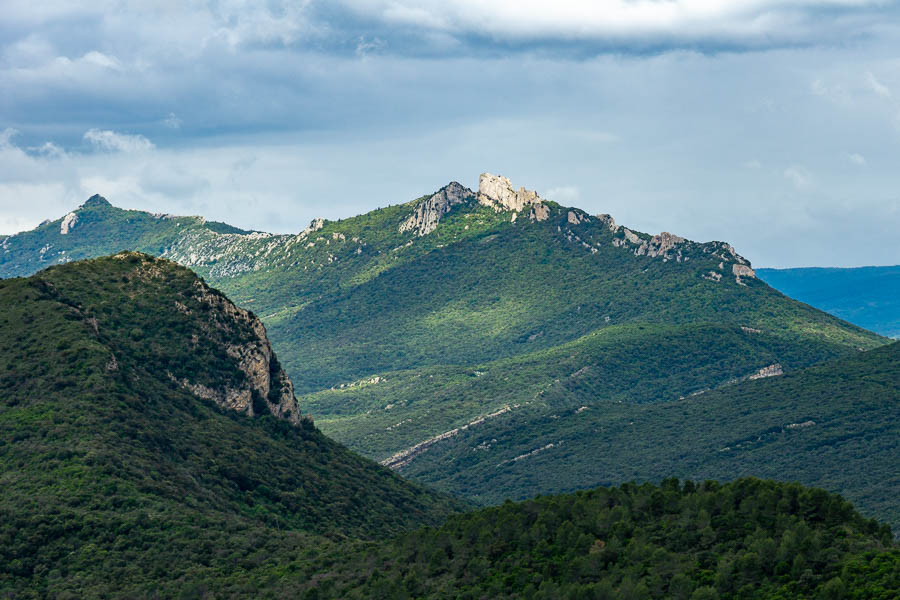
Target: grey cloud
[268,117]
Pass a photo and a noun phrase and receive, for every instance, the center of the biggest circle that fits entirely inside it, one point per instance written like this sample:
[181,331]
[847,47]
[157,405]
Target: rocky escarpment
[266,387]
[497,192]
[429,212]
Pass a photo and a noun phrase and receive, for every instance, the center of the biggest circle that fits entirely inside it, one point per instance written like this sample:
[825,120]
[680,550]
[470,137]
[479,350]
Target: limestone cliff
[429,212]
[265,380]
[497,192]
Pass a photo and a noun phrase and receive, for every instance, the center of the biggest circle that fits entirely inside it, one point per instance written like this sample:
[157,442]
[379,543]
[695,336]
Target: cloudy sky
[774,125]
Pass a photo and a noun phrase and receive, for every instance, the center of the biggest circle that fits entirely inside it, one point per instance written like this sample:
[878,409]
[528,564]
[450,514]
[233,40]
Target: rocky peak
[428,213]
[497,191]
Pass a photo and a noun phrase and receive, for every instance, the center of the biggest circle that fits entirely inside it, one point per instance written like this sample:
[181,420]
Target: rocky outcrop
[740,271]
[631,236]
[315,225]
[660,245]
[770,371]
[607,220]
[497,192]
[539,212]
[68,223]
[428,213]
[664,245]
[265,380]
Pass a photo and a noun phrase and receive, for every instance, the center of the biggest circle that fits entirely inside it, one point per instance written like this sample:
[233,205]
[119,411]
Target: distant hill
[148,434]
[866,296]
[410,329]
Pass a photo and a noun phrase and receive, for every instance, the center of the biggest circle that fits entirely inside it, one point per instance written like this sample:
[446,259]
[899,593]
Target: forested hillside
[747,539]
[146,437]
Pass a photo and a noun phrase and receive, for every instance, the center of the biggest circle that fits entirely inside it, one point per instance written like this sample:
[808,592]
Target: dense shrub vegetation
[112,473]
[746,539]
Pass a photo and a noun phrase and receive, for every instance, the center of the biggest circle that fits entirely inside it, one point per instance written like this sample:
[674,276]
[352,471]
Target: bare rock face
[68,223]
[607,220]
[428,214]
[659,245]
[314,225]
[539,212]
[631,236]
[740,271]
[770,371]
[265,379]
[497,192]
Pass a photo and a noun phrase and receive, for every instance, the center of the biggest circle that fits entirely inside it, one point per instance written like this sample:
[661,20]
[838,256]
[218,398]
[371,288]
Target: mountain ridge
[418,319]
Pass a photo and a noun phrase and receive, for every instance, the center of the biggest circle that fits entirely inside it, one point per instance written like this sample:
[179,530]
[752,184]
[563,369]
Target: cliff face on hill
[266,387]
[148,433]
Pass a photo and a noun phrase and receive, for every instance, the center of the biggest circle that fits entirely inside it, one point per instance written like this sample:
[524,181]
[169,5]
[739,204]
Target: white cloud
[276,22]
[734,20]
[172,121]
[102,60]
[112,141]
[799,176]
[366,46]
[6,137]
[856,159]
[752,164]
[48,149]
[876,86]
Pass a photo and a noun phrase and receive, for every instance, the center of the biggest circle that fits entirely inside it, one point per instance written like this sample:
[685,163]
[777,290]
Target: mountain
[865,296]
[484,316]
[148,433]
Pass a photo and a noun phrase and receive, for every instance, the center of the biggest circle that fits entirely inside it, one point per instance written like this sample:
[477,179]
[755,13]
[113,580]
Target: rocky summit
[428,213]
